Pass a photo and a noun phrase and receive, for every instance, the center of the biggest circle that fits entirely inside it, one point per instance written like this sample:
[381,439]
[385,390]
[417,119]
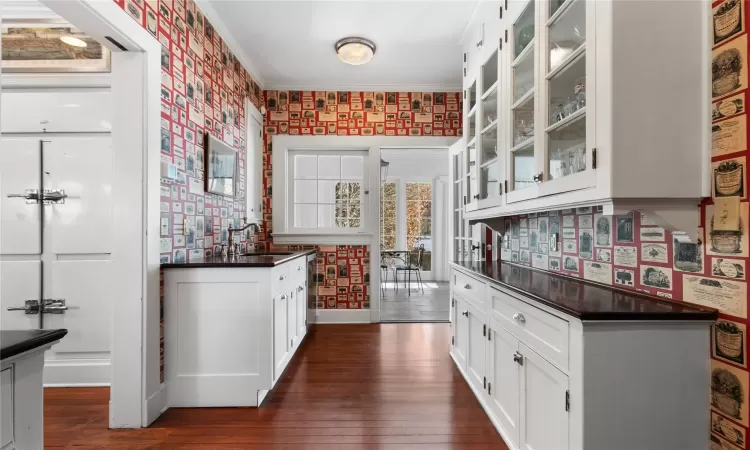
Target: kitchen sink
[268,254]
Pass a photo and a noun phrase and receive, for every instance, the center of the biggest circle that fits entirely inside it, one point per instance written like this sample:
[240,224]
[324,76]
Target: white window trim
[364,196]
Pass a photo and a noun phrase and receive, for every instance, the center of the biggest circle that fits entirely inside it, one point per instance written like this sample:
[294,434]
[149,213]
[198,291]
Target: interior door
[504,379]
[77,257]
[20,242]
[475,358]
[544,406]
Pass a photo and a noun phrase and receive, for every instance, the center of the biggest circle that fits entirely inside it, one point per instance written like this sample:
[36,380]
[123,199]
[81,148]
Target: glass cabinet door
[473,181]
[521,81]
[567,157]
[490,167]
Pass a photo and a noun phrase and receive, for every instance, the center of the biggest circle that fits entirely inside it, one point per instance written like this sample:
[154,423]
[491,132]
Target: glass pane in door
[567,33]
[523,30]
[567,150]
[473,186]
[419,223]
[523,167]
[491,180]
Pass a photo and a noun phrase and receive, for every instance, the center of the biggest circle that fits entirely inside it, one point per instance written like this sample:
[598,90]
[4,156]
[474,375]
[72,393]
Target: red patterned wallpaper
[344,270]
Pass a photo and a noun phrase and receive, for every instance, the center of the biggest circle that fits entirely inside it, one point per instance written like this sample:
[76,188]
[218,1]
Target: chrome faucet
[233,250]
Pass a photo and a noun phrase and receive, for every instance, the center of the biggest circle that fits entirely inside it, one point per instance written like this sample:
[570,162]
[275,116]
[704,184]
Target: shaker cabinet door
[461,338]
[280,333]
[475,357]
[544,415]
[504,377]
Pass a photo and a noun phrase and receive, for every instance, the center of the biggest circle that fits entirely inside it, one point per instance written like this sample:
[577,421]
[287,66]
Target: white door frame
[136,396]
[282,144]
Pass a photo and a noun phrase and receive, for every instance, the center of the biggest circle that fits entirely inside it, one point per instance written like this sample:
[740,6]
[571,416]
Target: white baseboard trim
[324,316]
[71,373]
[156,405]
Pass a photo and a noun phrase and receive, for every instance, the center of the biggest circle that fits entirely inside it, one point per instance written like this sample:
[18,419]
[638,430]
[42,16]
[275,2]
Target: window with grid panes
[419,222]
[388,216]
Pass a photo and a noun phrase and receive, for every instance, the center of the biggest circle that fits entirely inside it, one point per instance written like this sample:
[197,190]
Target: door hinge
[506,5]
[464,71]
[501,12]
[567,400]
[489,388]
[484,330]
[464,57]
[489,334]
[506,186]
[291,343]
[453,340]
[506,33]
[593,158]
[453,302]
[464,95]
[305,322]
[484,382]
[501,41]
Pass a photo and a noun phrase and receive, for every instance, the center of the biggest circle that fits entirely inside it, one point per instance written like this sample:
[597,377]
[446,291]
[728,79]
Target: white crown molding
[220,27]
[367,87]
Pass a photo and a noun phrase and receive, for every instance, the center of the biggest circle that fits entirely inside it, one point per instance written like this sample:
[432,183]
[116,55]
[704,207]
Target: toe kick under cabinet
[229,332]
[597,370]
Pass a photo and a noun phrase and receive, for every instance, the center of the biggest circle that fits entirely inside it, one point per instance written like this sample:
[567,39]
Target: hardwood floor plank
[385,387]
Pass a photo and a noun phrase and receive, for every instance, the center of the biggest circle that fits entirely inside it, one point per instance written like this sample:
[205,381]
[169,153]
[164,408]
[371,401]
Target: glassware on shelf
[567,154]
[580,92]
[567,91]
[524,130]
[523,29]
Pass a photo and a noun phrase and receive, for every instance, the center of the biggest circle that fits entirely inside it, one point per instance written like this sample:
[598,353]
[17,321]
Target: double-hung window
[328,191]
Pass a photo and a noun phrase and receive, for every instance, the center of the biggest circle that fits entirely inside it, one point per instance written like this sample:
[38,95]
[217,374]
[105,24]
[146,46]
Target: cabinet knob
[300,288]
[465,313]
[517,357]
[282,277]
[518,317]
[299,268]
[539,177]
[283,297]
[467,286]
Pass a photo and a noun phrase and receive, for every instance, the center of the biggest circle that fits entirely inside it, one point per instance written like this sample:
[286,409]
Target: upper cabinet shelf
[563,112]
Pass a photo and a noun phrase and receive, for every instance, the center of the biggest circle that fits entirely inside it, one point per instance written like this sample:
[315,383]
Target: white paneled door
[55,255]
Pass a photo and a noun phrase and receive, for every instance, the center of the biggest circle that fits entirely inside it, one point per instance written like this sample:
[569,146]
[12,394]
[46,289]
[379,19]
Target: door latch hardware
[517,357]
[54,306]
[489,388]
[30,307]
[31,196]
[54,196]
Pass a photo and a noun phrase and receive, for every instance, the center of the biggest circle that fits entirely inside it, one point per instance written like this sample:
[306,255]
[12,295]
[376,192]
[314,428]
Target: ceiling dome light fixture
[74,41]
[355,50]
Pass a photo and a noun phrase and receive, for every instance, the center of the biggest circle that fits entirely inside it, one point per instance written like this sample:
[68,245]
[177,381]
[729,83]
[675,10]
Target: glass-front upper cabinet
[471,189]
[521,65]
[490,160]
[568,148]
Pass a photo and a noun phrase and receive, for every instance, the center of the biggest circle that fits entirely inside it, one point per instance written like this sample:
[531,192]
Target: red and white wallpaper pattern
[344,270]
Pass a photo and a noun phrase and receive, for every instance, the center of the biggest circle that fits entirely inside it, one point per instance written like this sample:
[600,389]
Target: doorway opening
[414,235]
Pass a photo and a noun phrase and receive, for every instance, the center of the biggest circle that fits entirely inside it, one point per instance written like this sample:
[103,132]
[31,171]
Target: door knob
[465,313]
[31,196]
[30,307]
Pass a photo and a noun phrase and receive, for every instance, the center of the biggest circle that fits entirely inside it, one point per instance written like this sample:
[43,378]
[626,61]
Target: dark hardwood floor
[390,386]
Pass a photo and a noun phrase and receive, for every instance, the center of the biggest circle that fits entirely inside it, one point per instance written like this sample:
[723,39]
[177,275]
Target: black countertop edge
[15,342]
[582,299]
[239,261]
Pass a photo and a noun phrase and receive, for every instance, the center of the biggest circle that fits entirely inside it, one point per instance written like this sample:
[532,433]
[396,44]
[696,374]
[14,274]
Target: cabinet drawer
[281,279]
[545,332]
[297,270]
[469,288]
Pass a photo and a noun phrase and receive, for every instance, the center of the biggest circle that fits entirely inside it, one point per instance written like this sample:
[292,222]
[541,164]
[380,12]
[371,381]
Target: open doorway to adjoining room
[413,235]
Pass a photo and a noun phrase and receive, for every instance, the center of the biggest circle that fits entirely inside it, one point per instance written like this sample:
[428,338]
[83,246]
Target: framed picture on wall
[221,167]
[46,46]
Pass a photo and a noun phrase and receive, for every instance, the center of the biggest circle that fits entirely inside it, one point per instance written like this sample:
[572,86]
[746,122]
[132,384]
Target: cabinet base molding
[156,405]
[330,316]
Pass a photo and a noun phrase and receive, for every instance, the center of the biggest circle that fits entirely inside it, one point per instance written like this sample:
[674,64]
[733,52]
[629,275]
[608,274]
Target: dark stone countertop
[582,299]
[15,342]
[257,260]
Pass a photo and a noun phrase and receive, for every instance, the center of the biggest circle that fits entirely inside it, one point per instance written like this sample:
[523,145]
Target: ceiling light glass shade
[74,41]
[355,51]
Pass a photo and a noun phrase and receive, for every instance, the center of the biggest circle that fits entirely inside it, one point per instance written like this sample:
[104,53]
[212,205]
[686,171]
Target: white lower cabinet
[549,381]
[229,332]
[544,403]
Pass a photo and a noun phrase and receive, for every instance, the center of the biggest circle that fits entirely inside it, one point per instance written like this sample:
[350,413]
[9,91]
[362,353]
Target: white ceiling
[291,43]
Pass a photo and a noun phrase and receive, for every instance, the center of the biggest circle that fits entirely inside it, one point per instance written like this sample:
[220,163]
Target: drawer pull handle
[465,313]
[282,277]
[467,286]
[518,317]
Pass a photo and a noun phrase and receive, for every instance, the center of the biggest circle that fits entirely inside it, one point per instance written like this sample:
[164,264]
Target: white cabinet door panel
[280,342]
[69,111]
[475,358]
[544,419]
[83,224]
[291,316]
[460,323]
[19,171]
[301,311]
[6,409]
[20,282]
[86,287]
[504,380]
